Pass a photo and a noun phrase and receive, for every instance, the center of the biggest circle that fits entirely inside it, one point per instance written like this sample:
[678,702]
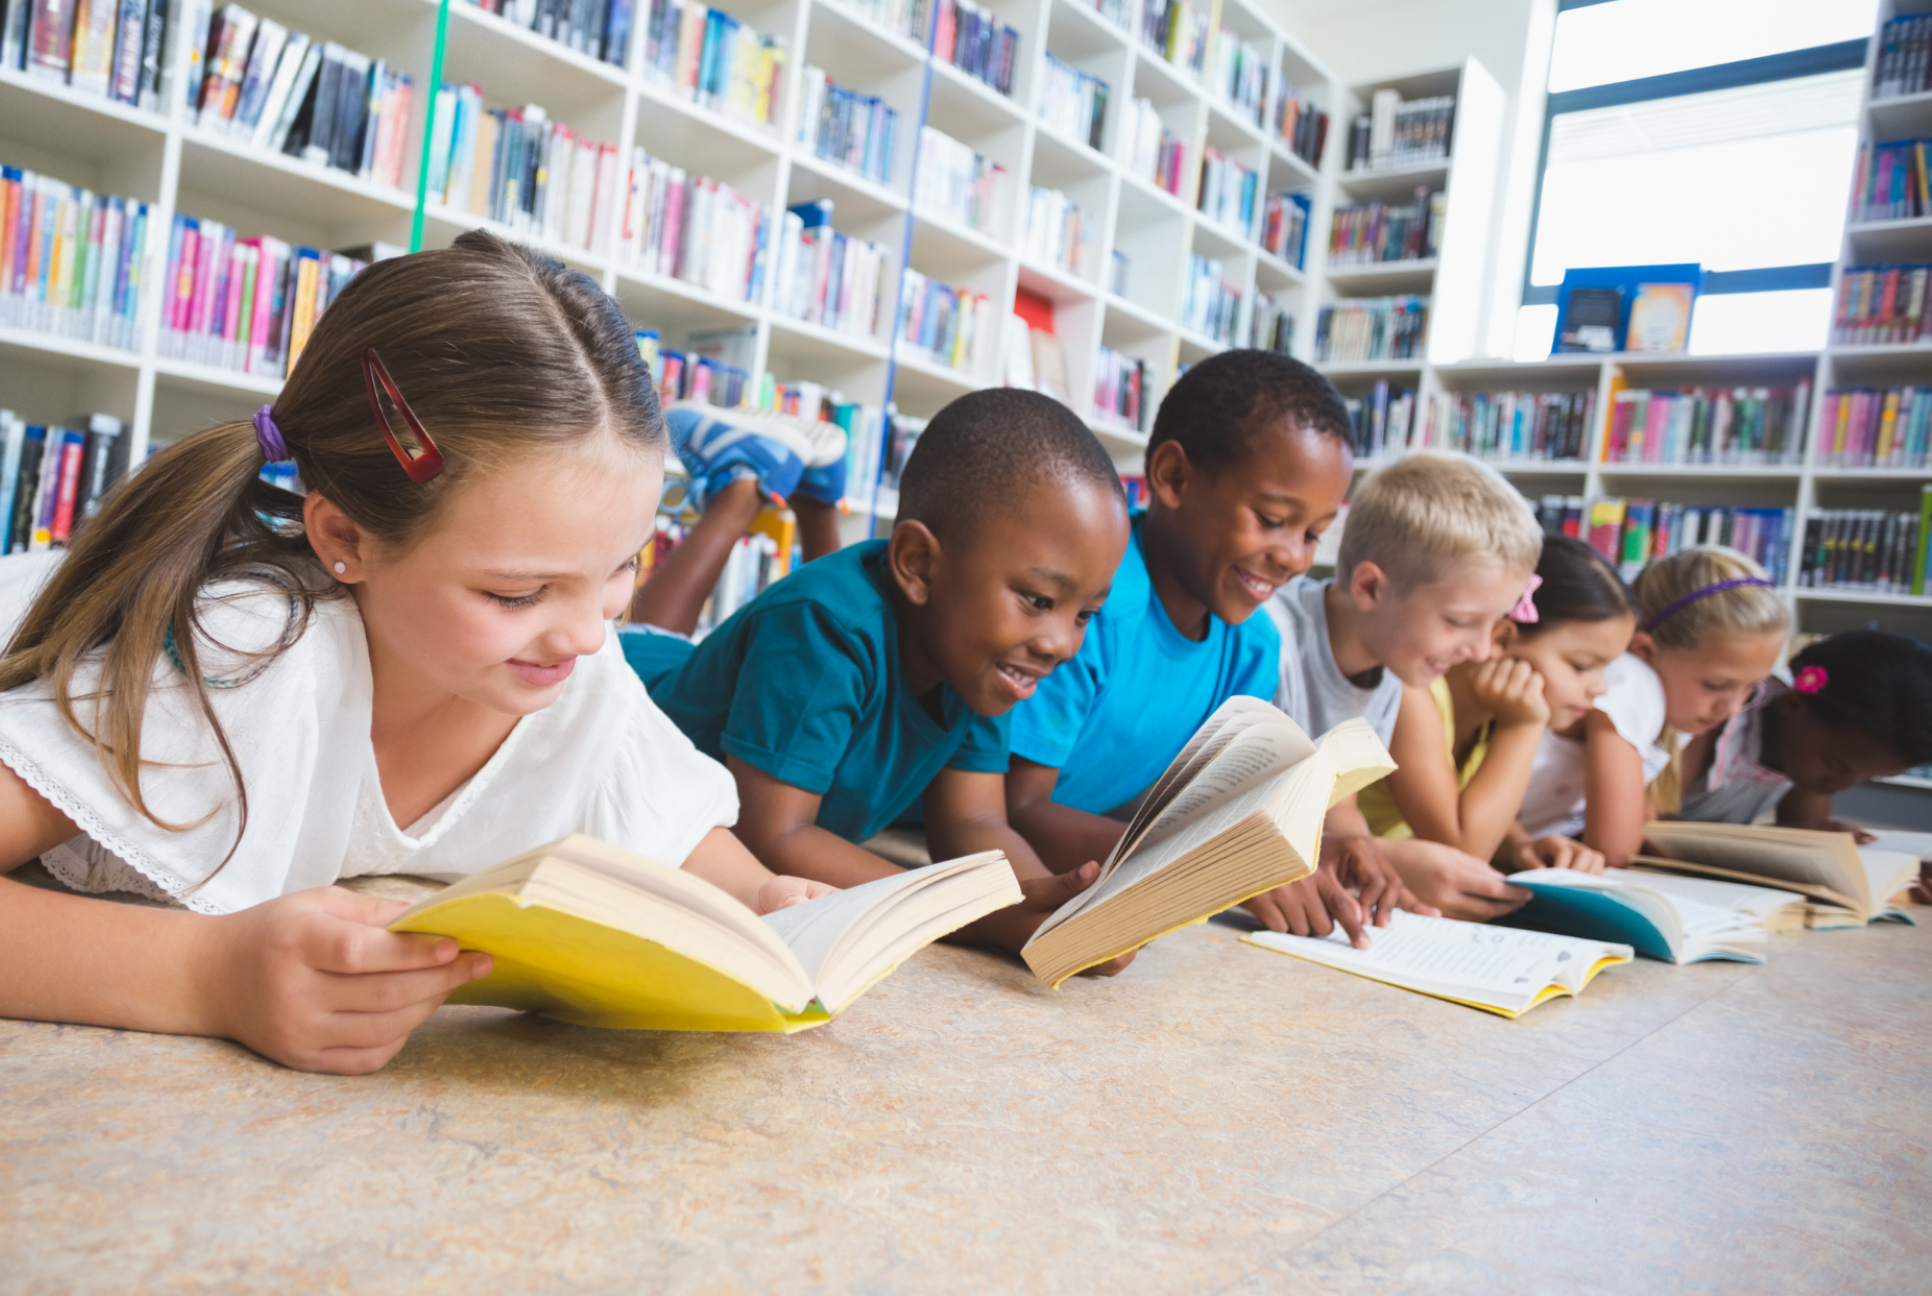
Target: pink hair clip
[1812,679]
[1524,613]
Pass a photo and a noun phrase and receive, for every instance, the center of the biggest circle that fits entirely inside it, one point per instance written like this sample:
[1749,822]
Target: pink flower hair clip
[1812,679]
[1524,613]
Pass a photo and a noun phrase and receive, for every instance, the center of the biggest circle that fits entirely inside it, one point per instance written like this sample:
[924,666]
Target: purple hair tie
[1694,595]
[269,437]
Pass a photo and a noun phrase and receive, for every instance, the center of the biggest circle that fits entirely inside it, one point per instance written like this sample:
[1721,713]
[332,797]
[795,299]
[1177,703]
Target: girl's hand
[313,981]
[1512,690]
[1560,852]
[779,892]
[1859,835]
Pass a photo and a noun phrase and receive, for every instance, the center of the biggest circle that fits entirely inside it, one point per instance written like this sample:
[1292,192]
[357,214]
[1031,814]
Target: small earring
[341,567]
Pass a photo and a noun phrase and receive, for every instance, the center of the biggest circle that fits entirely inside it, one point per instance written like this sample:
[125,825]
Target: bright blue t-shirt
[806,683]
[1111,719]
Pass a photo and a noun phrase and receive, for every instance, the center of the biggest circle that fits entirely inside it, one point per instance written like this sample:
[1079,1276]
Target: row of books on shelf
[1240,74]
[1631,532]
[1229,191]
[1869,427]
[953,181]
[1120,389]
[254,80]
[952,327]
[1510,424]
[1381,418]
[518,168]
[71,260]
[1875,550]
[52,478]
[859,132]
[1904,58]
[1358,329]
[1057,233]
[1271,327]
[1073,103]
[695,229]
[114,50]
[1148,149]
[599,28]
[1374,233]
[1889,181]
[1210,305]
[1754,426]
[708,57]
[974,40]
[1177,30]
[827,278]
[1881,304]
[1284,227]
[1397,132]
[1302,125]
[248,304]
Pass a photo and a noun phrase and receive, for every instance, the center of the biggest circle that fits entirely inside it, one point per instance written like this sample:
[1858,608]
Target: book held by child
[1238,812]
[591,934]
[1652,915]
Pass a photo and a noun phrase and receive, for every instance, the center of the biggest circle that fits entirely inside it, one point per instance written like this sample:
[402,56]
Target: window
[1706,131]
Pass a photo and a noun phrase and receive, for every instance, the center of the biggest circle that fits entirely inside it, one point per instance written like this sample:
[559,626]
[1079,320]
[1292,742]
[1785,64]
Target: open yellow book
[1238,812]
[591,934]
[1844,884]
[1504,970]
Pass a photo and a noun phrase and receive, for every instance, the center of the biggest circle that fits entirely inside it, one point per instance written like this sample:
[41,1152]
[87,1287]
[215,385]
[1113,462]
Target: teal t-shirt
[806,683]
[1111,719]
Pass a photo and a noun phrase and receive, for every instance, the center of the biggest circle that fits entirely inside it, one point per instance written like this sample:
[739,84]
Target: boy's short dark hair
[1219,405]
[1877,682]
[988,449]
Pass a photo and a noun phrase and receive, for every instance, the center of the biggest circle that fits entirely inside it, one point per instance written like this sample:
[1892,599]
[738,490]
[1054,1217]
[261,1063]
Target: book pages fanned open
[1238,812]
[587,933]
[1844,884]
[1648,912]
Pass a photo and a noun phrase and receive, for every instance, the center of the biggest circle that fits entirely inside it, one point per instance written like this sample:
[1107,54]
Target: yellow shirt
[1378,803]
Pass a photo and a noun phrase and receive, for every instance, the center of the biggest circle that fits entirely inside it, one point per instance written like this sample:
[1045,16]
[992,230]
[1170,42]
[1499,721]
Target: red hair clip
[429,460]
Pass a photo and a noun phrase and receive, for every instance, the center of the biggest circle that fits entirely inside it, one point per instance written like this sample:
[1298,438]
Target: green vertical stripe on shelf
[429,126]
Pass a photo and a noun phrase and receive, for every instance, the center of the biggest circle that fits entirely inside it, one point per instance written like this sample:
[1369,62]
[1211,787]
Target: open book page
[1358,756]
[1500,967]
[813,928]
[1258,751]
[1887,872]
[1754,902]
[1816,862]
[1916,844]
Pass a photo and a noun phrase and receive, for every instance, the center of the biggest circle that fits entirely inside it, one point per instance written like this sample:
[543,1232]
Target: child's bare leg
[675,593]
[818,526]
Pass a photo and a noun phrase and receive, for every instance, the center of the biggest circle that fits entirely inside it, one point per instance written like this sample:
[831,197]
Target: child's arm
[1062,837]
[310,980]
[1613,791]
[1474,819]
[722,860]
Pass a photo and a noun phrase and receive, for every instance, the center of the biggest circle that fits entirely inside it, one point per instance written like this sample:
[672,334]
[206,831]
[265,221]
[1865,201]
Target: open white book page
[1758,904]
[1503,968]
[1812,863]
[1887,872]
[1693,929]
[1259,751]
[1916,844]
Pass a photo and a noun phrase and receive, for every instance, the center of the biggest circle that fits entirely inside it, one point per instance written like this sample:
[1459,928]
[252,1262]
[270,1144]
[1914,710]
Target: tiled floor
[1218,1119]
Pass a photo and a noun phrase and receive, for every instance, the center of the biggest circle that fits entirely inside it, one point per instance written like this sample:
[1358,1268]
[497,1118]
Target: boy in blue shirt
[883,672]
[1250,459]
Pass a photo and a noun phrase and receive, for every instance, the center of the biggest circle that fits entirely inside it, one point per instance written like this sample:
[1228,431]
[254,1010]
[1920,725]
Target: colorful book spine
[1229,193]
[1383,419]
[1302,126]
[1372,328]
[1374,233]
[948,326]
[1753,426]
[694,229]
[1240,74]
[1877,551]
[72,262]
[1284,227]
[1632,532]
[1073,103]
[1210,305]
[1904,66]
[598,28]
[1881,305]
[954,182]
[1148,149]
[96,47]
[1177,30]
[857,131]
[708,57]
[1507,425]
[974,40]
[827,278]
[1889,181]
[1057,233]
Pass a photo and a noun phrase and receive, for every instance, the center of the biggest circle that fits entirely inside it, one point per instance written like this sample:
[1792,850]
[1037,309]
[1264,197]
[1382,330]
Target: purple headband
[1694,595]
[269,437]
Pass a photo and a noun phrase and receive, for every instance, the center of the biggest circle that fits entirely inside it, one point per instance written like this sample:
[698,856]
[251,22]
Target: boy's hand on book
[1311,907]
[1512,690]
[313,981]
[1457,884]
[781,892]
[1559,852]
[1012,927]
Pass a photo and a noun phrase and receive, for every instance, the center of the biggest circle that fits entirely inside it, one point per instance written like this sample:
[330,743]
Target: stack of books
[1057,232]
[1868,427]
[1881,304]
[827,278]
[1872,550]
[1228,192]
[1210,304]
[1271,328]
[1889,181]
[859,132]
[975,41]
[1301,125]
[246,304]
[1632,532]
[1756,426]
[599,28]
[693,228]
[711,59]
[1373,232]
[1510,424]
[1148,149]
[1284,227]
[951,327]
[1395,133]
[1119,386]
[114,50]
[518,168]
[1360,329]
[72,262]
[1240,74]
[1073,103]
[1177,30]
[52,478]
[1903,65]
[954,182]
[1384,419]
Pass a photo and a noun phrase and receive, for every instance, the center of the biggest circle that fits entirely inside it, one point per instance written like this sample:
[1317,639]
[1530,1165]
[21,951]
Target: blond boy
[1436,550]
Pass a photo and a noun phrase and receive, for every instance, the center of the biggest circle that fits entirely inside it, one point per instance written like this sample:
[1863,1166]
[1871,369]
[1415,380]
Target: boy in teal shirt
[882,673]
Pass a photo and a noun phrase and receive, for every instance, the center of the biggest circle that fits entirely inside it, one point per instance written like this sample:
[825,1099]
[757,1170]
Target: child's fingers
[386,992]
[1044,895]
[354,907]
[1269,911]
[375,1030]
[331,945]
[1337,902]
[355,1061]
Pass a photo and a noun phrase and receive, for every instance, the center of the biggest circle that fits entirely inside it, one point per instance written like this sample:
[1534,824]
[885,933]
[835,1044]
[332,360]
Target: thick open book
[588,933]
[1238,812]
[1651,914]
[1504,970]
[1845,885]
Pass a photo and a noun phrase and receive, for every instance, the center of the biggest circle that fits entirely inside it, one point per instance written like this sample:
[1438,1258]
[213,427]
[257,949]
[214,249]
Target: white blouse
[1634,700]
[601,759]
